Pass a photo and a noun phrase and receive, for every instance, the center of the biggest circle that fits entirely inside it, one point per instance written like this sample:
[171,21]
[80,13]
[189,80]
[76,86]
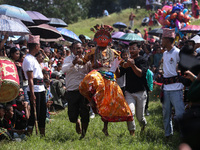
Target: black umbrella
[119,25]
[56,22]
[47,33]
[156,32]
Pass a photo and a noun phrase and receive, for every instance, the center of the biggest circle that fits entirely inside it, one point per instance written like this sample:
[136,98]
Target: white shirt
[170,61]
[74,74]
[30,63]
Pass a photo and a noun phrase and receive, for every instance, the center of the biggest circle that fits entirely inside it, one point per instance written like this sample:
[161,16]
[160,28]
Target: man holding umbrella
[36,90]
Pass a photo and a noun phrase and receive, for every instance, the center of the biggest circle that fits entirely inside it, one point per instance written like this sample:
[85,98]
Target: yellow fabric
[108,97]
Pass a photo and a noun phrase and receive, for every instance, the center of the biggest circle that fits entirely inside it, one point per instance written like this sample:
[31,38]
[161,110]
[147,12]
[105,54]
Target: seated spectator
[8,117]
[105,13]
[4,134]
[57,90]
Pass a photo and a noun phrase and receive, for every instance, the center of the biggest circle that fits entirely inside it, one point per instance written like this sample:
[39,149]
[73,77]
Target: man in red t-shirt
[131,19]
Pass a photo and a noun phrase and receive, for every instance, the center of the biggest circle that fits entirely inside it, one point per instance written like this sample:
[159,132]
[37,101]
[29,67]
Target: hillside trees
[72,10]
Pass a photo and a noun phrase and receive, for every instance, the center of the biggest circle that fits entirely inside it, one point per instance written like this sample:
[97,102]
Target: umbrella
[117,35]
[191,28]
[37,17]
[131,37]
[16,12]
[47,33]
[156,32]
[68,35]
[156,4]
[119,25]
[187,2]
[87,37]
[12,27]
[21,38]
[196,39]
[56,22]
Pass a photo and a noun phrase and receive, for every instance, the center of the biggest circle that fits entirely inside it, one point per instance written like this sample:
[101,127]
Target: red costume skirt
[106,96]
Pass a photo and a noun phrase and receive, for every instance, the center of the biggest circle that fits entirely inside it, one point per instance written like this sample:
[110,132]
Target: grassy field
[83,26]
[61,135]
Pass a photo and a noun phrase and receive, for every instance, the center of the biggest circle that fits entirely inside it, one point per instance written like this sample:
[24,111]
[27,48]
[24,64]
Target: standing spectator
[145,34]
[131,19]
[135,91]
[33,73]
[77,104]
[173,89]
[157,57]
[148,6]
[195,9]
[14,55]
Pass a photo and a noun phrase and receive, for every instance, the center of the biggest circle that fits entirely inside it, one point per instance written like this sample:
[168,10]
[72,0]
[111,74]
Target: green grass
[61,134]
[83,26]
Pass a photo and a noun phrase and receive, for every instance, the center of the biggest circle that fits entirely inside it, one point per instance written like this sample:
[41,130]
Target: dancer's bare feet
[132,132]
[105,131]
[78,127]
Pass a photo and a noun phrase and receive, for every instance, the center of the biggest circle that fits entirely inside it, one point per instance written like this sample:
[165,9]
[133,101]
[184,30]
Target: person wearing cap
[36,89]
[172,88]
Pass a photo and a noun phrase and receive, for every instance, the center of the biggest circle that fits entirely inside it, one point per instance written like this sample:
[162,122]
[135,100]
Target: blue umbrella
[12,27]
[16,12]
[68,35]
[56,22]
[187,2]
[119,25]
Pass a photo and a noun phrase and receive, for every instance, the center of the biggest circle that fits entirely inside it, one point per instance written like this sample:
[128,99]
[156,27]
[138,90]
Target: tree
[68,10]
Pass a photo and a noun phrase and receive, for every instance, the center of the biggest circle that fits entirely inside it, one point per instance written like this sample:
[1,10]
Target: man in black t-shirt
[135,93]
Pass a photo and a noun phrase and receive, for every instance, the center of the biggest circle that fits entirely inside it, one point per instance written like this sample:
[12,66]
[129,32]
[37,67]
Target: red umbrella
[191,28]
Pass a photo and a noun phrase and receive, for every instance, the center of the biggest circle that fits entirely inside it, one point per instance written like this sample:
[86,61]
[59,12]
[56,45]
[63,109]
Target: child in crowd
[48,96]
[10,127]
[4,134]
[122,80]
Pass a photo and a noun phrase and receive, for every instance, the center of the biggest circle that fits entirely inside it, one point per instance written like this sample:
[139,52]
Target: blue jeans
[26,98]
[175,99]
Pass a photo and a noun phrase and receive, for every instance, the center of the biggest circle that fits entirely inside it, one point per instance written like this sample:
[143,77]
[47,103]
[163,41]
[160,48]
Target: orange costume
[99,86]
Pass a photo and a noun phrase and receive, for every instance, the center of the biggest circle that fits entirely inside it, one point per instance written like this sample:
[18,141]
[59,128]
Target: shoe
[92,115]
[147,112]
[65,105]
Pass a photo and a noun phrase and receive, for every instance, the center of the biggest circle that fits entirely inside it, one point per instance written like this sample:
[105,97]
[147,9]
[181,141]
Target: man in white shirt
[173,89]
[36,90]
[77,104]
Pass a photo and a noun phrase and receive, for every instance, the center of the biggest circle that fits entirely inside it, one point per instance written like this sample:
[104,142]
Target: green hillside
[83,26]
